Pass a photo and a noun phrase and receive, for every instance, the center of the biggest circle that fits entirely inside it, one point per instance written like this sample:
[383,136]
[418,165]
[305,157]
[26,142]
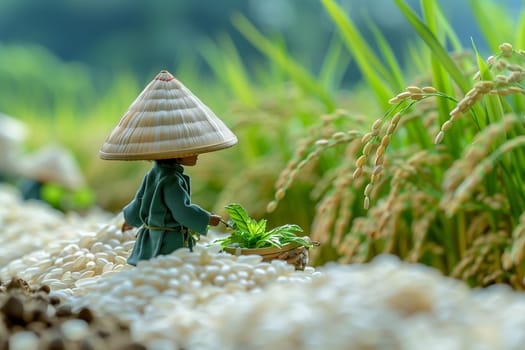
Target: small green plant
[250,233]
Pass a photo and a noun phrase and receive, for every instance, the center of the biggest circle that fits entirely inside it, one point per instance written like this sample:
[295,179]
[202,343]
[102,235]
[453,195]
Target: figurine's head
[188,161]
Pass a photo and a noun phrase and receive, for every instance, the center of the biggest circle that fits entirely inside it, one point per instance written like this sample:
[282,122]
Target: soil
[23,308]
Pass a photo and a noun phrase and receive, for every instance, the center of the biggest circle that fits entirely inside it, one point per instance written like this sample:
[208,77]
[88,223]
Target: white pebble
[24,340]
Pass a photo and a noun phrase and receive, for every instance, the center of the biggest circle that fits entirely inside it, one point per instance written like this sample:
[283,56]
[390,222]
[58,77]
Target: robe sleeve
[132,210]
[178,201]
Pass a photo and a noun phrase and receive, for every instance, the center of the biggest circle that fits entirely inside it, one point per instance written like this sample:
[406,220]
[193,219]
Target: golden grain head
[516,90]
[293,175]
[391,129]
[446,125]
[484,86]
[394,100]
[367,148]
[455,111]
[414,89]
[366,203]
[377,170]
[357,173]
[502,92]
[374,178]
[366,137]
[501,65]
[380,150]
[505,47]
[379,160]
[339,135]
[515,77]
[385,140]
[360,161]
[439,137]
[280,194]
[396,118]
[377,124]
[271,206]
[429,89]
[321,142]
[403,95]
[368,189]
[327,118]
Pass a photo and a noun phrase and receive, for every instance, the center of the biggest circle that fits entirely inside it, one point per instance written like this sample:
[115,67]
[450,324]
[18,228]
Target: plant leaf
[239,216]
[254,228]
[262,225]
[286,228]
[374,72]
[281,58]
[430,39]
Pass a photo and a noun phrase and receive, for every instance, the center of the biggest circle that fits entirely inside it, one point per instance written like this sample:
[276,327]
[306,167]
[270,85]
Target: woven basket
[293,253]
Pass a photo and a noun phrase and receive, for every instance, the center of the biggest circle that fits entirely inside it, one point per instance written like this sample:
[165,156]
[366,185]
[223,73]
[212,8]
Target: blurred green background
[70,69]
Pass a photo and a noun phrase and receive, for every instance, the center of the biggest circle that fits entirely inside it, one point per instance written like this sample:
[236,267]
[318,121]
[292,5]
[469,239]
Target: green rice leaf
[373,70]
[334,64]
[520,31]
[489,16]
[281,58]
[447,28]
[396,77]
[440,53]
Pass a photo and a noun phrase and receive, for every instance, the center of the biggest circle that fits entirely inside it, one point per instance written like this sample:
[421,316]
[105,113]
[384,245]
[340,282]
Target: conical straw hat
[166,121]
[12,134]
[52,164]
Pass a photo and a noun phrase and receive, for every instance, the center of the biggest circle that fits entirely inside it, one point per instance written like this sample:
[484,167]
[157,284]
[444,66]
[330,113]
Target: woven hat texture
[166,121]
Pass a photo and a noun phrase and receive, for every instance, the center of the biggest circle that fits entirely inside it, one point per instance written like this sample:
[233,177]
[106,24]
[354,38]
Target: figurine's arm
[187,214]
[132,210]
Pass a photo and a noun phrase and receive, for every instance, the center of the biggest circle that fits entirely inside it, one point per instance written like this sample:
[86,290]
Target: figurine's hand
[215,219]
[125,227]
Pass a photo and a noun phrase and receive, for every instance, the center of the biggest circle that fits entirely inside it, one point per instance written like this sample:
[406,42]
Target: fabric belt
[157,228]
[188,238]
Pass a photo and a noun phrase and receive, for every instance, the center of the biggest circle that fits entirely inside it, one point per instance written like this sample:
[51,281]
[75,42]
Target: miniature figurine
[169,125]
[52,175]
[12,133]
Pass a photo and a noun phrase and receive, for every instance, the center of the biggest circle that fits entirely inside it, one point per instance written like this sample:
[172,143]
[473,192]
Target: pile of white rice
[210,300]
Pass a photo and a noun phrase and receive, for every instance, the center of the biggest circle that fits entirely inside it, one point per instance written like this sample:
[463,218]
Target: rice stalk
[466,188]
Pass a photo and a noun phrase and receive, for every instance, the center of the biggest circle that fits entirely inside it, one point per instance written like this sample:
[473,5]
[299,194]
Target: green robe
[163,211]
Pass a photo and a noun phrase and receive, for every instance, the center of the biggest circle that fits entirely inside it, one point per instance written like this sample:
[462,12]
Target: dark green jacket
[162,208]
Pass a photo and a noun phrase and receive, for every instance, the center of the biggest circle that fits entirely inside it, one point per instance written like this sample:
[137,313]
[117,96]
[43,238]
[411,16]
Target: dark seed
[18,283]
[45,288]
[56,344]
[13,309]
[86,315]
[63,311]
[102,333]
[86,344]
[133,346]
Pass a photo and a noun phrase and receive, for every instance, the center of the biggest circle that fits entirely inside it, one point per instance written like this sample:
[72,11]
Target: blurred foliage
[290,106]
